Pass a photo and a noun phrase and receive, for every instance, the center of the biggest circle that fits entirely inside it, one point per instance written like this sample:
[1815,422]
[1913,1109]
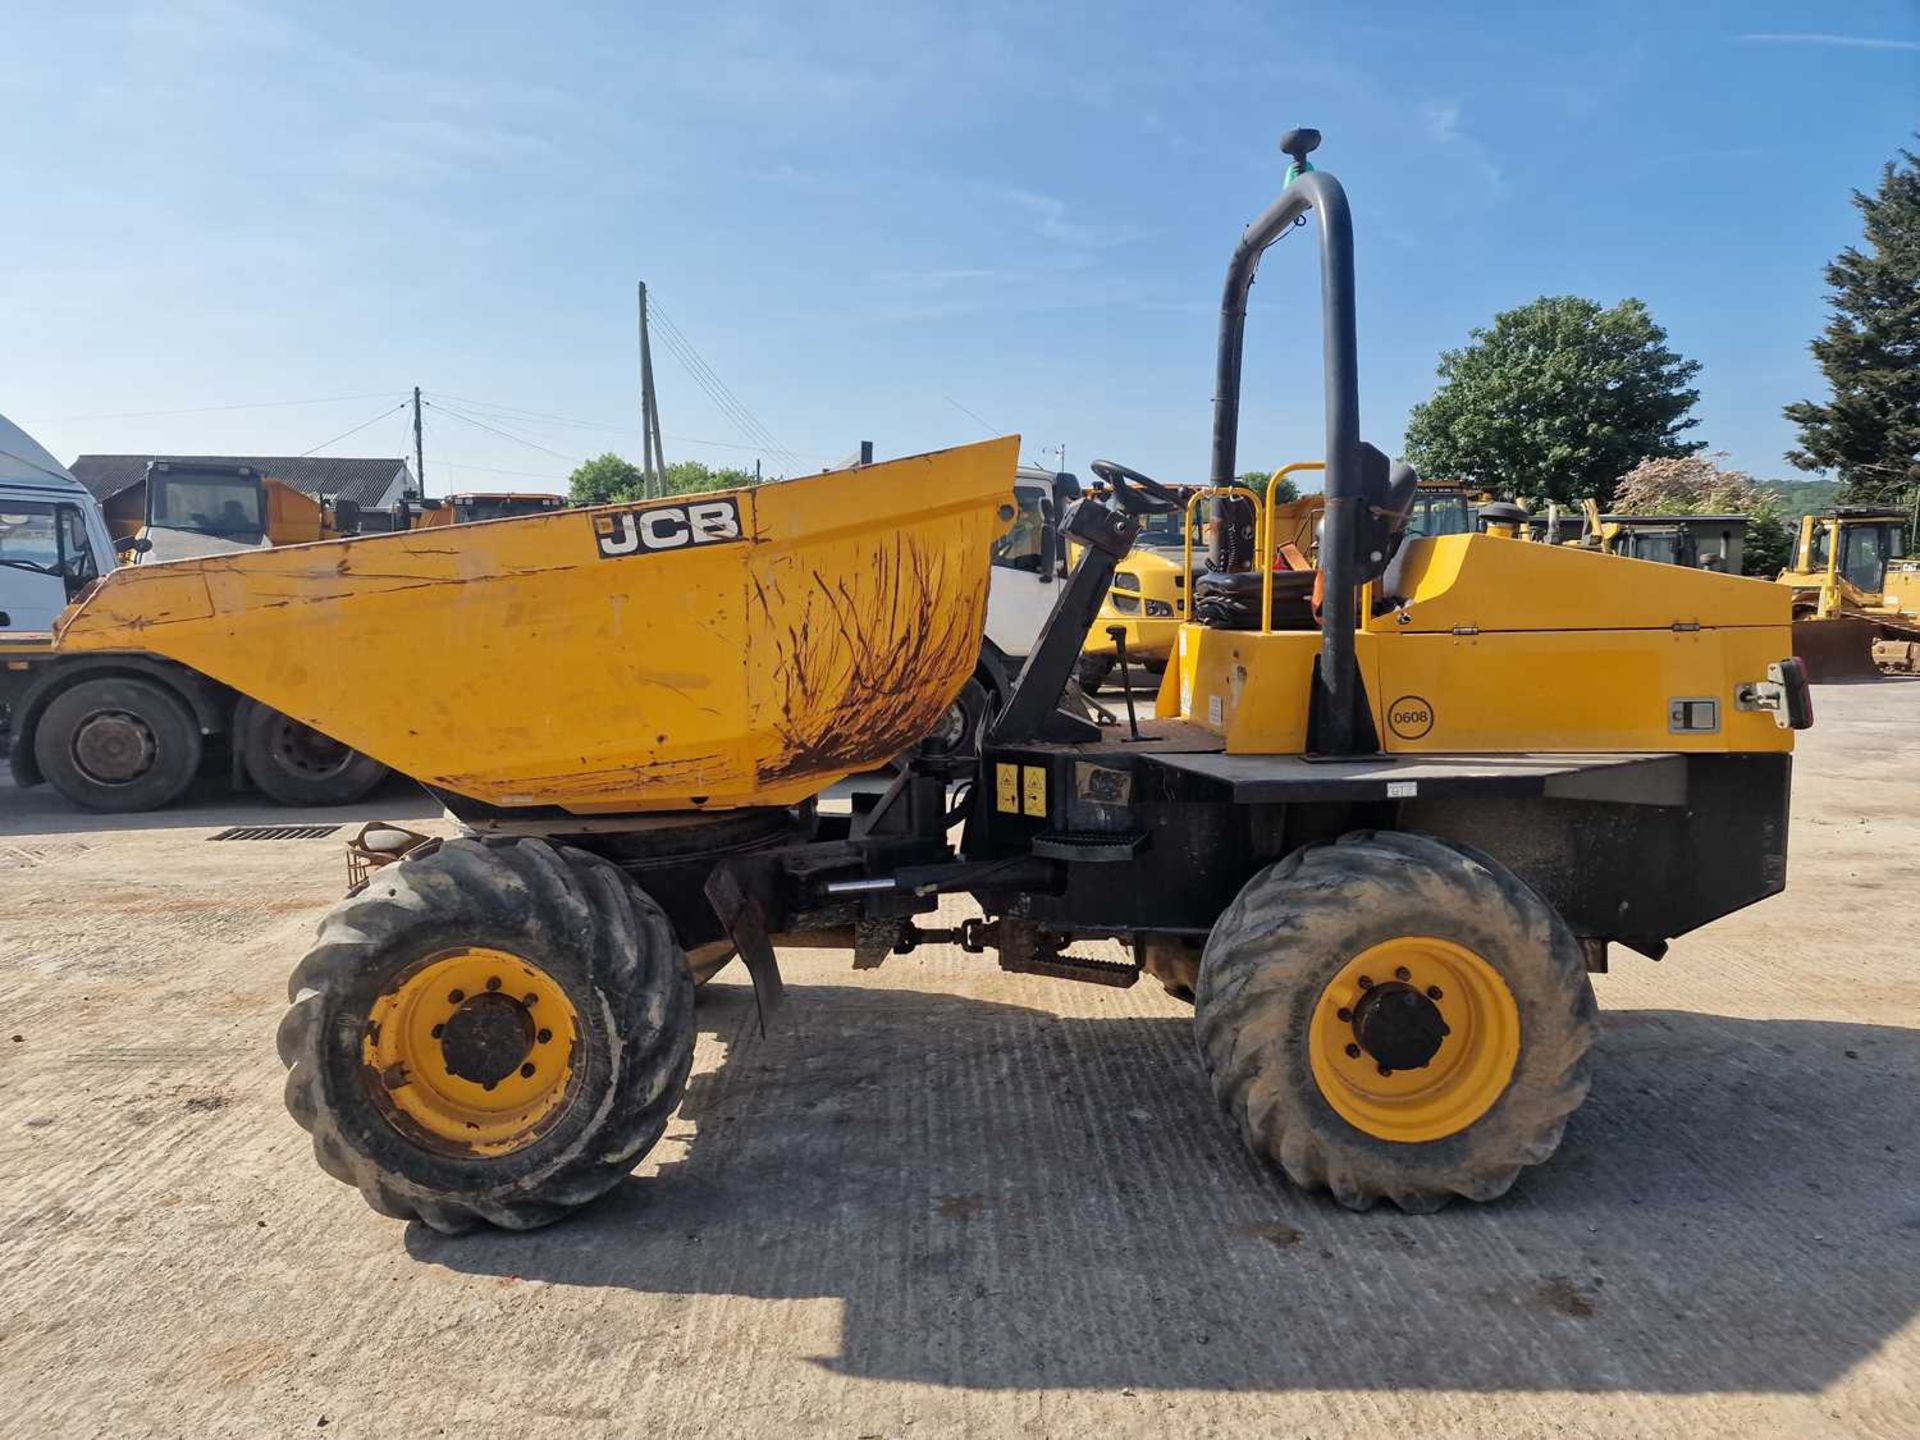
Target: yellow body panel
[1508,648]
[513,662]
[1149,638]
[1489,583]
[1900,596]
[293,517]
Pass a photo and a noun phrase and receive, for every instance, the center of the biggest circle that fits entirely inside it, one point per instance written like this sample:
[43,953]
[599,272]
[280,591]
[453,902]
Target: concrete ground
[941,1200]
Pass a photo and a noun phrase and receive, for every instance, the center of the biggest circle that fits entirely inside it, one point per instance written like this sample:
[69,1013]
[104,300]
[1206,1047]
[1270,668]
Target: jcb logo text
[667,527]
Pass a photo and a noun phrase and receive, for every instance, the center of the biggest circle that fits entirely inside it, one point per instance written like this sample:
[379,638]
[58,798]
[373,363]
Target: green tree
[690,477]
[610,477]
[1700,485]
[1556,399]
[1869,432]
[1258,480]
[603,479]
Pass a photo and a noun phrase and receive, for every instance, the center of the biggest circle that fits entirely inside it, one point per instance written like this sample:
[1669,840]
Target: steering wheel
[1150,498]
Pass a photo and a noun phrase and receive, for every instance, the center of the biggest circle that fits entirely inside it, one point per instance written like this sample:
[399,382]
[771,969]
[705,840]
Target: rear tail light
[1791,677]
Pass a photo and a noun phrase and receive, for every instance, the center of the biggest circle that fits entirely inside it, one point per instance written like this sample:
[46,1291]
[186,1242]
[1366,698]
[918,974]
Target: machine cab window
[47,538]
[1441,515]
[227,505]
[1024,546]
[1864,553]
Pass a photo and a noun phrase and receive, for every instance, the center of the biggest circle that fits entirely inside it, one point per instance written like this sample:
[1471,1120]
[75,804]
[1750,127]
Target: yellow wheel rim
[471,1052]
[1404,997]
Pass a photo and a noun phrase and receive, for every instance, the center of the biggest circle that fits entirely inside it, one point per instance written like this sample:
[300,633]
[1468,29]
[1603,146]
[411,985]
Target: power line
[717,391]
[355,431]
[504,434]
[740,418]
[990,429]
[213,409]
[495,470]
[533,417]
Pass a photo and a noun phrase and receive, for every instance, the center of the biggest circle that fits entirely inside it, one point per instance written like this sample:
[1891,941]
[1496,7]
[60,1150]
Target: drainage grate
[276,832]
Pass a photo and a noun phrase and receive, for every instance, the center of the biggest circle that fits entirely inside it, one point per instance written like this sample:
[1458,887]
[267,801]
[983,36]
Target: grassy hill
[1801,497]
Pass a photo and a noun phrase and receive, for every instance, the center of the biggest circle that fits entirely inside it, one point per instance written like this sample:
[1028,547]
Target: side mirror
[132,545]
[1049,542]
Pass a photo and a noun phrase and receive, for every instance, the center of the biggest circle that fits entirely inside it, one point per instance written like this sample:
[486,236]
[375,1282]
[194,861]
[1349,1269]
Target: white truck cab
[53,541]
[1027,564]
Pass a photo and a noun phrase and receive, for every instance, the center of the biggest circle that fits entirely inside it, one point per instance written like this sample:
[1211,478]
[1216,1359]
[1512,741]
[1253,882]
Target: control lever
[1119,636]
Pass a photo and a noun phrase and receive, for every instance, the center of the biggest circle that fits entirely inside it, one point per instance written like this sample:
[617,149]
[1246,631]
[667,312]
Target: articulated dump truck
[1379,841]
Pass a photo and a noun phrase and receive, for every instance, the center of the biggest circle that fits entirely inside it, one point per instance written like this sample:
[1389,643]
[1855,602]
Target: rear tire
[574,933]
[297,765]
[118,744]
[1279,1055]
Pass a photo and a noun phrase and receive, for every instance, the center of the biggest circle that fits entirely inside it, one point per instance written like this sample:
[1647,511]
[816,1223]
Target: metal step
[1116,973]
[1089,846]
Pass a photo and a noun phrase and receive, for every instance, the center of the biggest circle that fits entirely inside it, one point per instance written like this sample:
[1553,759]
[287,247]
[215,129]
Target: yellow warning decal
[1006,788]
[1036,791]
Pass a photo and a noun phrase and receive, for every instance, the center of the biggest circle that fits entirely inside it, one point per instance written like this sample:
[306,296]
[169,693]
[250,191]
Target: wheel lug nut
[457,996]
[494,983]
[531,1000]
[1366,982]
[488,1084]
[526,1072]
[1386,1070]
[1403,973]
[544,1036]
[436,1031]
[1433,992]
[1353,1052]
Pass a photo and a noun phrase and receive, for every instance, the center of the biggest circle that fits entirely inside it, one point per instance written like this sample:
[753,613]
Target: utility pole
[419,448]
[653,460]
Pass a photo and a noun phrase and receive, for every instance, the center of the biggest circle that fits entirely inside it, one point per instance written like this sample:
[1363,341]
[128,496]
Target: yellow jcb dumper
[1856,593]
[1380,849]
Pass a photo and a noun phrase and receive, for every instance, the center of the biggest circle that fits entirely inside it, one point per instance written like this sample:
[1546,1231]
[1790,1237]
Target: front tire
[1092,671]
[118,745]
[297,765]
[488,1033]
[1395,1017]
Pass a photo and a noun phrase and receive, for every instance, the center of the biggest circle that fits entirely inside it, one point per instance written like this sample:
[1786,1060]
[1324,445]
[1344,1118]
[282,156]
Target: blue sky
[872,218]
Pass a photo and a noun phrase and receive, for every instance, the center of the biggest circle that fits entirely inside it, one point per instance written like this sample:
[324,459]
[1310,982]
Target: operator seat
[1228,598]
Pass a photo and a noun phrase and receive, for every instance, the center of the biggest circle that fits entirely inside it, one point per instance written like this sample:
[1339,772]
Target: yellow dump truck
[1380,847]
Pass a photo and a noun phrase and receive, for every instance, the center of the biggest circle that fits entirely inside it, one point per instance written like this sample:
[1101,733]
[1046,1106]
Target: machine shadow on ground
[1001,1197]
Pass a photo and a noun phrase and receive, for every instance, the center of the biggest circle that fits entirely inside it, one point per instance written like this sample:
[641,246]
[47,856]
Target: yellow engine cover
[743,648]
[1506,648]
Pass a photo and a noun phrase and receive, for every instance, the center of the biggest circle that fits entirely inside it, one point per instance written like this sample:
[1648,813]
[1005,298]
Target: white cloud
[1853,42]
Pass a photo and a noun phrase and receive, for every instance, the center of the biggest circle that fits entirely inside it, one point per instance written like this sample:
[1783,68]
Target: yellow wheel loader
[1380,844]
[1856,593]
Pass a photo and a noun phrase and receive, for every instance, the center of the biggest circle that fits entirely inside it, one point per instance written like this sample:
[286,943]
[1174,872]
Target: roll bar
[1317,191]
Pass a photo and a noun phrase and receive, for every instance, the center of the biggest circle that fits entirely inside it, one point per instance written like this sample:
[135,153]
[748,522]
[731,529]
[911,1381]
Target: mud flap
[738,907]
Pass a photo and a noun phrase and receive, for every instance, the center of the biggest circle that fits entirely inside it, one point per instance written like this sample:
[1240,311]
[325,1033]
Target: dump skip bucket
[698,652]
